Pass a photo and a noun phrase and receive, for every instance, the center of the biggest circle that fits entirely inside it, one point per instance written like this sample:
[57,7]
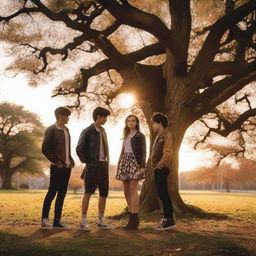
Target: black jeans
[59,178]
[162,190]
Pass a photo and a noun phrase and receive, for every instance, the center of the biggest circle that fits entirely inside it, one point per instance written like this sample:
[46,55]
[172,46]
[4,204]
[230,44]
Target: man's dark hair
[99,111]
[62,111]
[160,118]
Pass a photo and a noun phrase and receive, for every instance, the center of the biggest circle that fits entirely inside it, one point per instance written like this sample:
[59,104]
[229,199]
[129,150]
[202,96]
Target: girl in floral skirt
[131,166]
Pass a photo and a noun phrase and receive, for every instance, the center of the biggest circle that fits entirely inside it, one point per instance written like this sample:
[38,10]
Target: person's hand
[72,165]
[142,170]
[60,164]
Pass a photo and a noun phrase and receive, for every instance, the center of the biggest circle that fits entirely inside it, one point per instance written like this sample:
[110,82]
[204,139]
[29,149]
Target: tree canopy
[20,139]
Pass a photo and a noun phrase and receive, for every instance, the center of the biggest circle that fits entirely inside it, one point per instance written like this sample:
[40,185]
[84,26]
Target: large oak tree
[20,139]
[182,69]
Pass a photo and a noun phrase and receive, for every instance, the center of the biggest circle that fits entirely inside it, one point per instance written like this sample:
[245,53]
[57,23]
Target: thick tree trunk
[170,96]
[178,204]
[148,197]
[6,179]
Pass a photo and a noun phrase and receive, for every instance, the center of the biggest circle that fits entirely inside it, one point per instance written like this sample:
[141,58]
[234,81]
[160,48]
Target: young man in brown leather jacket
[56,148]
[161,161]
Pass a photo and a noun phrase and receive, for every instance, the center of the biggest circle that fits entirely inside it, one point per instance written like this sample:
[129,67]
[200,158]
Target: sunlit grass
[232,204]
[24,207]
[20,234]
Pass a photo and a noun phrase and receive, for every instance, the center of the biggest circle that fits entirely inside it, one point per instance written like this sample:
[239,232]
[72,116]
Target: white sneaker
[103,225]
[45,223]
[84,226]
[165,224]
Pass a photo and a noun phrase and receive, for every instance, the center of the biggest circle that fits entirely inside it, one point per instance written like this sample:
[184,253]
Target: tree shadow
[195,212]
[118,242]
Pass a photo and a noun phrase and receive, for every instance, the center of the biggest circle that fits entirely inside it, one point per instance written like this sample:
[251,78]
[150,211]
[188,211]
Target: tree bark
[180,119]
[178,126]
[7,173]
[6,179]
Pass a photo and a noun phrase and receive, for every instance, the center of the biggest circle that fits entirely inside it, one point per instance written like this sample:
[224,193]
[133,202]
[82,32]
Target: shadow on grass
[157,214]
[116,243]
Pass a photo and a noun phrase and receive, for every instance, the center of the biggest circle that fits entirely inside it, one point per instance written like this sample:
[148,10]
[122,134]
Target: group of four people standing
[92,149]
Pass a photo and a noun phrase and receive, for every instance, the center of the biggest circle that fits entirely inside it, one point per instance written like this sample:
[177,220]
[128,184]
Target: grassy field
[20,233]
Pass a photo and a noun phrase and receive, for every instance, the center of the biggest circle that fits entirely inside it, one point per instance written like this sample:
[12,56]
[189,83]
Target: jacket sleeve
[82,145]
[121,154]
[48,147]
[144,152]
[70,156]
[167,152]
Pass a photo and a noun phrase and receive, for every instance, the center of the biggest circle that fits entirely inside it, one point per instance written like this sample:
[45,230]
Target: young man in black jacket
[92,149]
[56,148]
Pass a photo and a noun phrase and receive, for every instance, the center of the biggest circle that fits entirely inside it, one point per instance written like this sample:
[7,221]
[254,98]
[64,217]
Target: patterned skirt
[128,168]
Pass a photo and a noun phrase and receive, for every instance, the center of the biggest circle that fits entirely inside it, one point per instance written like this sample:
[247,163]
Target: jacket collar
[162,132]
[137,133]
[58,127]
[94,128]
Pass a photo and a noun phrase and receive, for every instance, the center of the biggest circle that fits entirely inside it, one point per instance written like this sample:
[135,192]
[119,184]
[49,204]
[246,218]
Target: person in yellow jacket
[161,161]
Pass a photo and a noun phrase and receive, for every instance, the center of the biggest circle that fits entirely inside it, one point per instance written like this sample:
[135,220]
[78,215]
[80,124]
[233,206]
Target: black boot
[133,222]
[129,221]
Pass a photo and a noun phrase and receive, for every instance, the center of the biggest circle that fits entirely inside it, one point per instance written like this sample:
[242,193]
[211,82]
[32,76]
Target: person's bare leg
[85,203]
[133,220]
[127,195]
[102,205]
[134,197]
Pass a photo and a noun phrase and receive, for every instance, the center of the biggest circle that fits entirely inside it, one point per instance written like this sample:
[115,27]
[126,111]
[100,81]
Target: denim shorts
[96,175]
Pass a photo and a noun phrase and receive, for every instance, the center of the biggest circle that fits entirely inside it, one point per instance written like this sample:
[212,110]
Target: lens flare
[126,100]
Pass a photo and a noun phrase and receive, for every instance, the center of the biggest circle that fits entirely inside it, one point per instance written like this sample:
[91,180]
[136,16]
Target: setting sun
[126,100]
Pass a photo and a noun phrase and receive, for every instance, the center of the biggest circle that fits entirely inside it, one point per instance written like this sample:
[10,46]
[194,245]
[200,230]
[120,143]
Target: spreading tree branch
[212,43]
[129,15]
[107,64]
[61,16]
[224,89]
[24,10]
[225,127]
[64,51]
[244,98]
[181,24]
[224,68]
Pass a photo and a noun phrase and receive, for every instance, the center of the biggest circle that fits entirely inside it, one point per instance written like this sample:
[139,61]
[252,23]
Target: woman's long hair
[126,130]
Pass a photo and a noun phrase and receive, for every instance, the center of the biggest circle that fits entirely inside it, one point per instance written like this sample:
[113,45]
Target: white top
[102,155]
[127,144]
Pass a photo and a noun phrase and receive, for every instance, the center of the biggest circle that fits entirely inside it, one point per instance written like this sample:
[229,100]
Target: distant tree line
[223,177]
